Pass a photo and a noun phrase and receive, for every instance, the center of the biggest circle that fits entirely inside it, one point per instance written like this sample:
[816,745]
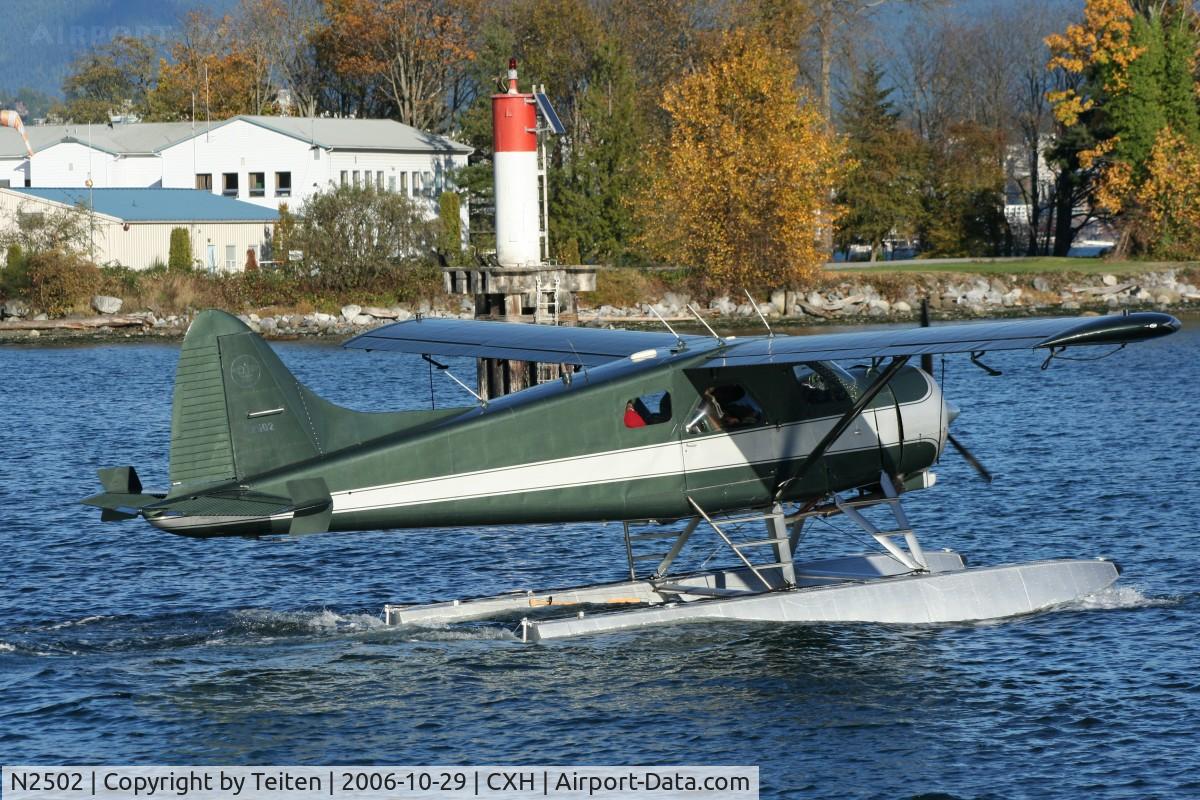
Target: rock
[723,306]
[350,311]
[363,319]
[1112,301]
[745,310]
[42,317]
[14,308]
[901,307]
[1041,284]
[34,334]
[255,318]
[387,313]
[1070,305]
[1109,280]
[268,325]
[403,313]
[675,302]
[106,305]
[815,299]
[323,318]
[779,300]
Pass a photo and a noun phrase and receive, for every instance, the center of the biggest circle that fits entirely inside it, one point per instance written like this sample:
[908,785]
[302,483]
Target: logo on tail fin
[245,371]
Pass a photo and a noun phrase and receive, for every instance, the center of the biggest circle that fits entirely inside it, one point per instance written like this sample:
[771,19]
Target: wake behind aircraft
[642,428]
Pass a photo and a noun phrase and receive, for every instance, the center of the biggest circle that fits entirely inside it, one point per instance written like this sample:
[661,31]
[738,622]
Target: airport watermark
[378,783]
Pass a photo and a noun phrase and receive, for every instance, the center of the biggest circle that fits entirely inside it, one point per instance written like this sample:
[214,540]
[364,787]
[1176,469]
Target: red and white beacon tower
[515,147]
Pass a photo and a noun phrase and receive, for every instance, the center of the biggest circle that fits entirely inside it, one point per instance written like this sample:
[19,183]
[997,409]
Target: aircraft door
[730,450]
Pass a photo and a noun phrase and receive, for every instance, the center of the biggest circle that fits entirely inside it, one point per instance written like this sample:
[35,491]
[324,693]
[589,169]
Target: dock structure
[543,294]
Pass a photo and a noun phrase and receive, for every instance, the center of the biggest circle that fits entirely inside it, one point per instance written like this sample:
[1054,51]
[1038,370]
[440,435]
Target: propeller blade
[970,457]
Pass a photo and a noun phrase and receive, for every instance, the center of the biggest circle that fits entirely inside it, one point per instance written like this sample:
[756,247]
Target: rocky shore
[894,298]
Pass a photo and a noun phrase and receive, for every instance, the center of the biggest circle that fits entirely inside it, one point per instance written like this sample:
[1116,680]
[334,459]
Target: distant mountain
[40,39]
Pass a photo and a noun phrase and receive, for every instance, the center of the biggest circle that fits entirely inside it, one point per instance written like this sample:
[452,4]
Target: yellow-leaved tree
[1170,196]
[742,187]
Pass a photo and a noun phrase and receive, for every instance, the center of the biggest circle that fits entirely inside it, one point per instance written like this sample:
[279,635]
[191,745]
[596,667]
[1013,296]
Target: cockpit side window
[824,385]
[649,409]
[725,407]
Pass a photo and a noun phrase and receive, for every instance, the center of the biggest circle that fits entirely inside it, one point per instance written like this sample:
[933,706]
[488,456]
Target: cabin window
[391,183]
[404,183]
[230,186]
[824,385]
[379,180]
[204,181]
[283,184]
[649,409]
[726,407]
[344,178]
[258,184]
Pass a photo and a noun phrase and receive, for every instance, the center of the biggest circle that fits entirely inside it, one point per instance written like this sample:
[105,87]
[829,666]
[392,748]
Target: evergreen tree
[1135,114]
[881,196]
[589,198]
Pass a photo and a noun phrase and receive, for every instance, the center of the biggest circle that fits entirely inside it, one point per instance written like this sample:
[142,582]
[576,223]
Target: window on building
[379,180]
[391,183]
[416,184]
[229,185]
[5,183]
[649,409]
[258,184]
[231,257]
[204,181]
[344,177]
[354,177]
[404,183]
[283,184]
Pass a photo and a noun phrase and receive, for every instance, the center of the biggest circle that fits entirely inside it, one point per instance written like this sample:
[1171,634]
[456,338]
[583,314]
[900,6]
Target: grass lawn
[1017,266]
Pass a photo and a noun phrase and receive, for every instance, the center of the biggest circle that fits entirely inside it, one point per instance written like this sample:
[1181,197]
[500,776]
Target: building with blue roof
[132,226]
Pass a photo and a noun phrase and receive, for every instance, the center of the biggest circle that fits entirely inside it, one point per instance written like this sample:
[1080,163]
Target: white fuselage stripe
[701,454]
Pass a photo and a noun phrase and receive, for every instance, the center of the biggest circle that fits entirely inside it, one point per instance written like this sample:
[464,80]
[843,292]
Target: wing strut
[864,400]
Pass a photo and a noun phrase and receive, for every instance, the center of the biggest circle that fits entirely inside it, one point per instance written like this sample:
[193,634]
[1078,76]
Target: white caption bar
[377,783]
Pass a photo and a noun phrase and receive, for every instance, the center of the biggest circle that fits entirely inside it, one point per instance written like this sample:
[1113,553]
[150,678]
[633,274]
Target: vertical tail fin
[239,412]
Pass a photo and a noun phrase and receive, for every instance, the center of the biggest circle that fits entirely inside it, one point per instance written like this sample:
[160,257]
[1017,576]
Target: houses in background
[132,227]
[250,161]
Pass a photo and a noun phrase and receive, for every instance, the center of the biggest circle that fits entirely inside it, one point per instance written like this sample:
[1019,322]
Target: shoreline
[842,299]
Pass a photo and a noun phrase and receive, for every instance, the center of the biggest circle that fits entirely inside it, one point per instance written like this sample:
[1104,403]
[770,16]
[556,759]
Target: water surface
[121,644]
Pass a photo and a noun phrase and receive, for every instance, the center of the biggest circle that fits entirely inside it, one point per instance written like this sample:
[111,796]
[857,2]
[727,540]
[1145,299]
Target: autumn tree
[1135,88]
[739,192]
[110,79]
[881,194]
[286,32]
[213,71]
[413,55]
[1170,197]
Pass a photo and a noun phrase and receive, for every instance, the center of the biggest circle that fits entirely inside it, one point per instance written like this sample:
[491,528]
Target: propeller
[968,456]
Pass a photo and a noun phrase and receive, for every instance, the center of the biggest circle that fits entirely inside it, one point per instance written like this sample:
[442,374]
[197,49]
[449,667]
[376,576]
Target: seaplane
[664,433]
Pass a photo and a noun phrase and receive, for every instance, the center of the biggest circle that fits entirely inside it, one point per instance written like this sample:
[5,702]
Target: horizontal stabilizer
[122,497]
[546,344]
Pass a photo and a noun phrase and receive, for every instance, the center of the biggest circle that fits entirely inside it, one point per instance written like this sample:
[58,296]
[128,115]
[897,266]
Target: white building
[132,227]
[261,160]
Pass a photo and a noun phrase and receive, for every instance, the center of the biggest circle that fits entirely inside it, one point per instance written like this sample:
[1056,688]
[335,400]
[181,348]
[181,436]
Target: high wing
[487,339]
[1052,333]
[594,346]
